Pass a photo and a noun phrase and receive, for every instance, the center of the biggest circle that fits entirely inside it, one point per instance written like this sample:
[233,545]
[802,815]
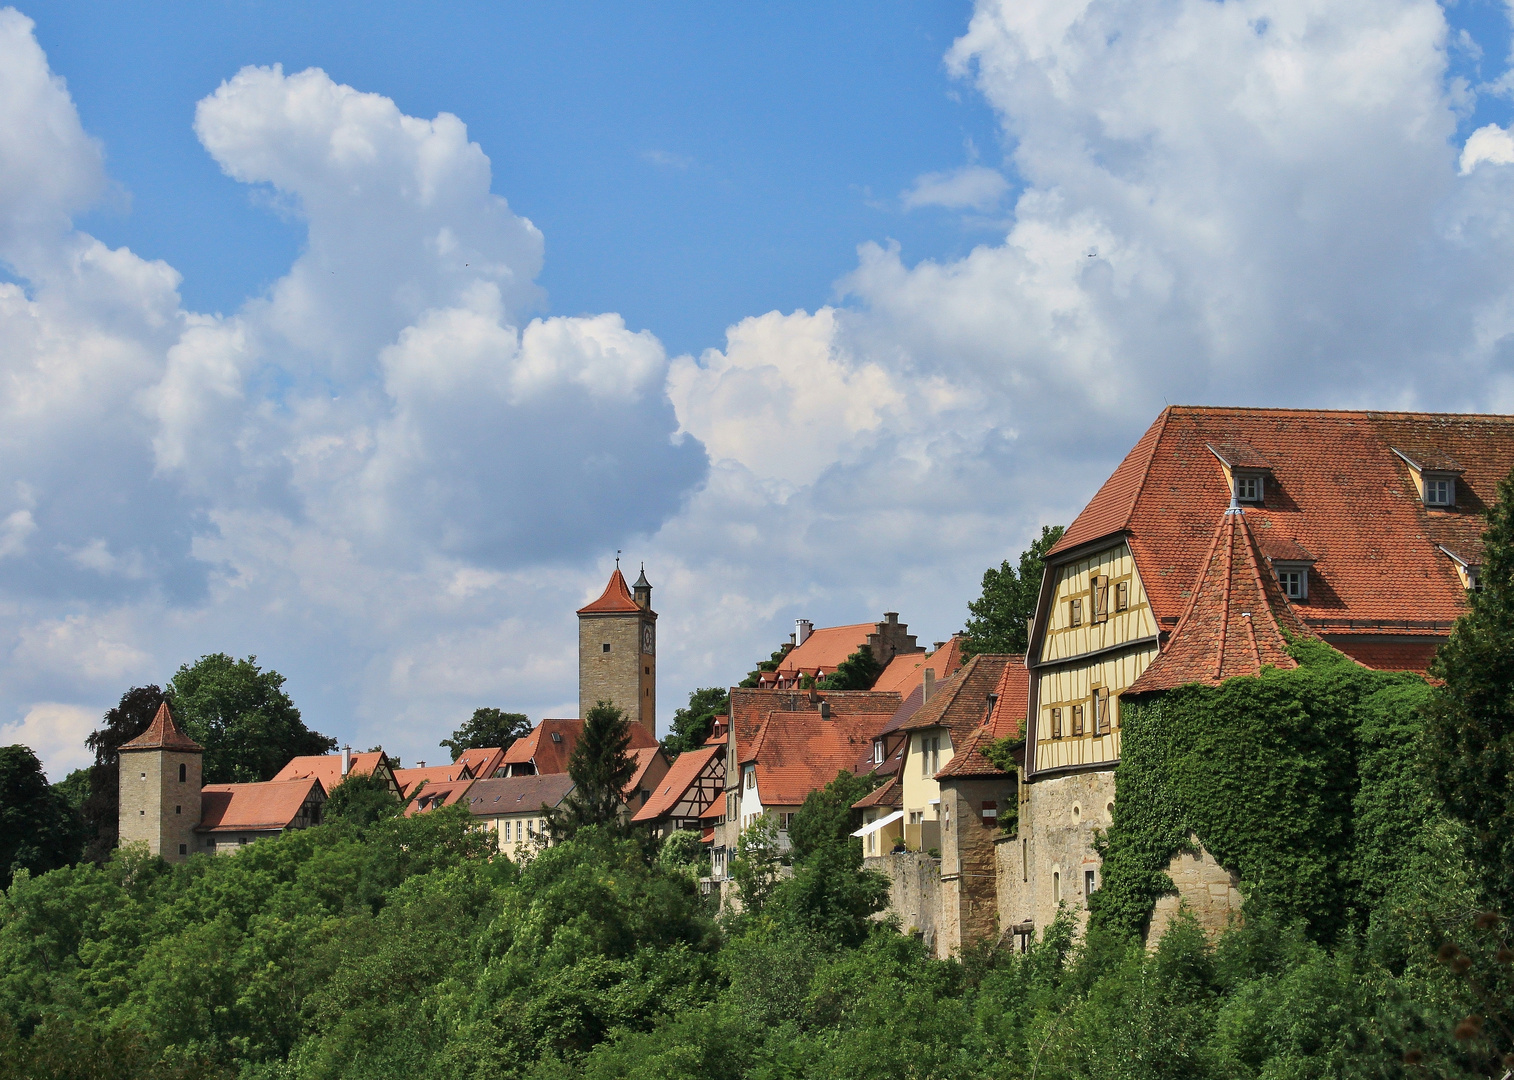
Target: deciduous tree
[39,830]
[998,619]
[488,727]
[693,723]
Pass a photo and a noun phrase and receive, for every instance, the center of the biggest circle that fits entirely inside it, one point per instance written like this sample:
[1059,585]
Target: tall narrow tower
[617,651]
[160,789]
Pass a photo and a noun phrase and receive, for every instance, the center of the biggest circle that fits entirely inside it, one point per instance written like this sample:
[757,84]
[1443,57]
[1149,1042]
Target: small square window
[1088,883]
[177,810]
[1248,488]
[1440,491]
[605,647]
[1294,583]
[183,849]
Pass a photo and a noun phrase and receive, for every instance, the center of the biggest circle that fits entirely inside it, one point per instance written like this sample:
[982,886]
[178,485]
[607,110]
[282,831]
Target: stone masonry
[624,673]
[969,890]
[1205,888]
[157,808]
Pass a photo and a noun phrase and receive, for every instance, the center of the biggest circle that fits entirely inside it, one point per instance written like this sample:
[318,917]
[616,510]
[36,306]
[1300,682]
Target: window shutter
[1122,596]
[1077,719]
[1075,611]
[990,812]
[1101,598]
[1101,711]
[1056,723]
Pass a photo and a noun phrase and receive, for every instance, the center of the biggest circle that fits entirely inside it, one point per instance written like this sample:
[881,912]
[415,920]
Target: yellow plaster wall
[1062,640]
[920,791]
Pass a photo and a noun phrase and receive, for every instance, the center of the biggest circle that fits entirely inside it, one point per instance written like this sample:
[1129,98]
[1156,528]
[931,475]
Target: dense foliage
[242,717]
[857,672]
[999,620]
[488,727]
[770,664]
[39,828]
[601,770]
[693,723]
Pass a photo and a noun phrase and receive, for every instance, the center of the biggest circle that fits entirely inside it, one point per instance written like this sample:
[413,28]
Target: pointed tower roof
[614,600]
[642,582]
[162,734]
[1235,621]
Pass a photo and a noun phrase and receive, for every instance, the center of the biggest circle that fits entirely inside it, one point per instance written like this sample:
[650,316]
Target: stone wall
[1205,888]
[890,638]
[969,894]
[1054,852]
[914,892]
[157,808]
[625,675]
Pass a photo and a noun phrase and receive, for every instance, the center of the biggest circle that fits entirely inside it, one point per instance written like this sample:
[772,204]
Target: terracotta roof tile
[890,794]
[432,774]
[517,794]
[797,753]
[907,670]
[1337,488]
[824,649]
[438,794]
[1013,696]
[750,707]
[482,761]
[686,769]
[960,703]
[615,600]
[550,755]
[162,734]
[273,804]
[645,757]
[327,768]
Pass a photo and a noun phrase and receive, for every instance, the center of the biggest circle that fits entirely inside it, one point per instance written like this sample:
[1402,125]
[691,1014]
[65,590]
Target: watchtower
[617,651]
[160,789]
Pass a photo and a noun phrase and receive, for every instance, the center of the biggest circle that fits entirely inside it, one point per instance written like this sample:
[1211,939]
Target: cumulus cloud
[972,187]
[1489,143]
[56,733]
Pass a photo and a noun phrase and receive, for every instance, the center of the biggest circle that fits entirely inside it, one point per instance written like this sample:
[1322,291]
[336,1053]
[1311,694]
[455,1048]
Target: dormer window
[877,751]
[1440,490]
[1295,581]
[1467,568]
[1248,487]
[1434,475]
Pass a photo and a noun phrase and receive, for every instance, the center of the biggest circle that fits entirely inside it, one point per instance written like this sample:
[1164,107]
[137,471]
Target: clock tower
[617,650]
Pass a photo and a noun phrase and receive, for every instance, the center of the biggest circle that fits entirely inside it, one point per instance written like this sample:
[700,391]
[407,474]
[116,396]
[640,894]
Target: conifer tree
[600,769]
[999,619]
[1470,728]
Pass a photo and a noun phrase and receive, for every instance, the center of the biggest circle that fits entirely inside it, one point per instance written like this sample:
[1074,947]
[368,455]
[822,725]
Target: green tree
[600,769]
[755,866]
[242,716]
[131,716]
[487,728]
[770,664]
[362,799]
[827,817]
[1470,718]
[857,672]
[39,830]
[998,620]
[693,723]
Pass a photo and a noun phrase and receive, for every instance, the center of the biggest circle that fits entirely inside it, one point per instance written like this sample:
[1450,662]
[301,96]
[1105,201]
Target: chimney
[936,646]
[346,760]
[420,764]
[803,628]
[930,685]
[825,710]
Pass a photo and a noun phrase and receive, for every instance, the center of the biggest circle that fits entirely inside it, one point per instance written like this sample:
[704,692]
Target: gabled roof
[1339,487]
[751,707]
[645,757]
[432,774]
[889,794]
[1237,621]
[1012,697]
[517,794]
[960,703]
[162,734]
[615,600]
[438,794]
[482,761]
[907,670]
[797,753]
[273,804]
[550,755]
[327,768]
[824,649]
[685,770]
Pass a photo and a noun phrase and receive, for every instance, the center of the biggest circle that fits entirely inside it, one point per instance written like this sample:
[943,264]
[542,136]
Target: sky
[360,339]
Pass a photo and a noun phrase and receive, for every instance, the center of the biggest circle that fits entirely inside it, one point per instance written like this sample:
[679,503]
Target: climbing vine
[1301,781]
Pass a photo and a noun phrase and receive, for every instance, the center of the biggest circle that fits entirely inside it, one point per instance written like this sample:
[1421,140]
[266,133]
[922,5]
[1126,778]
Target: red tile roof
[273,804]
[907,670]
[686,769]
[482,761]
[824,649]
[327,768]
[551,755]
[517,794]
[432,774]
[1013,696]
[615,600]
[647,759]
[800,752]
[162,734]
[960,703]
[438,794]
[889,794]
[750,707]
[1338,486]
[1237,621]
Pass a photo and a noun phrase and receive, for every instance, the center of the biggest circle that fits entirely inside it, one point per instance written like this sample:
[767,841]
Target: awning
[874,826]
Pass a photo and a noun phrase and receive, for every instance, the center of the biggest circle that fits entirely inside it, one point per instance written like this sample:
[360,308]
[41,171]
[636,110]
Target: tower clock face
[648,638]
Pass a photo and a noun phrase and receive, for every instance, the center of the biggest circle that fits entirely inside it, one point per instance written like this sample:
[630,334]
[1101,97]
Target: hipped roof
[517,794]
[273,804]
[615,600]
[551,756]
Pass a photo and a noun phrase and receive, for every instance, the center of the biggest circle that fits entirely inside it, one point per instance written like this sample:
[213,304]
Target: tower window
[144,776]
[178,809]
[183,772]
[605,647]
[646,671]
[183,849]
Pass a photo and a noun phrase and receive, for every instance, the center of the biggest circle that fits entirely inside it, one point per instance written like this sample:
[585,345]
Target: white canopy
[874,826]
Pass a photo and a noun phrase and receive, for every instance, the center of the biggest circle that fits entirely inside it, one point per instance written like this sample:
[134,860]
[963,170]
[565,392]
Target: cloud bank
[396,474]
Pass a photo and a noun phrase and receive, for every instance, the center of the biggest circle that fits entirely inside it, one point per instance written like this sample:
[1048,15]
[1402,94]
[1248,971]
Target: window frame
[1431,482]
[1245,482]
[1283,567]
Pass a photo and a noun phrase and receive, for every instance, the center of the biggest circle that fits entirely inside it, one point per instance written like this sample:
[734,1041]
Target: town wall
[969,900]
[914,892]
[1204,887]
[1054,852]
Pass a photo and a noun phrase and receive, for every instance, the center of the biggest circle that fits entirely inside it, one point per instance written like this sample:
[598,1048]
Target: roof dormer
[1246,471]
[1434,476]
[1290,563]
[1468,568]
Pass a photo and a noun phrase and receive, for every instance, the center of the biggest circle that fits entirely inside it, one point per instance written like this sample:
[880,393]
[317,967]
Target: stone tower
[160,789]
[617,651]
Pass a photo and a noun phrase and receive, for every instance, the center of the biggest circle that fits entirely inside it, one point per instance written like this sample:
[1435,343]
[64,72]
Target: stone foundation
[914,892]
[1205,888]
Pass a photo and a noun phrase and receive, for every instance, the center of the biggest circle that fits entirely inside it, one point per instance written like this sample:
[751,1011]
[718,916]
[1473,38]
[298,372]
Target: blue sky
[361,337]
[689,164]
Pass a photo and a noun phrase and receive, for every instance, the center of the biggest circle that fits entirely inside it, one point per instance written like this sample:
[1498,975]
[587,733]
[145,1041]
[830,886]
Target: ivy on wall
[1303,782]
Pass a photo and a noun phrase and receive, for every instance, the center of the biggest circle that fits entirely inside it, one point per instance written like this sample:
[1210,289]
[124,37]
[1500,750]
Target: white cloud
[1489,143]
[55,732]
[14,530]
[972,187]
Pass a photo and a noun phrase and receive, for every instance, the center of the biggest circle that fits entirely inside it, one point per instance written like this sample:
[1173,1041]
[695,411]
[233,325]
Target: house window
[1077,720]
[1056,723]
[751,778]
[1295,582]
[1122,596]
[1248,487]
[183,773]
[183,849]
[1075,611]
[1088,885]
[1101,598]
[877,751]
[990,812]
[1056,887]
[916,817]
[1440,491]
[1101,710]
[785,820]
